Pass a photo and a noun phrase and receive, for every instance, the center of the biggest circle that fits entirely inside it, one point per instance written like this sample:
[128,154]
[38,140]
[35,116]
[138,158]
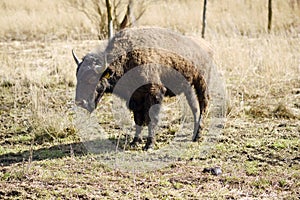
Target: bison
[166,63]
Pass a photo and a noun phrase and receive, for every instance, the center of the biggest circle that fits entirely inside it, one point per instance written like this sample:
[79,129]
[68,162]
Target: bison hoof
[149,144]
[148,148]
[136,141]
[196,137]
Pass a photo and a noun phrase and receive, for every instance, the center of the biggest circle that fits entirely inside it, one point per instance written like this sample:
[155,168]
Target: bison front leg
[139,121]
[150,117]
[153,106]
[153,121]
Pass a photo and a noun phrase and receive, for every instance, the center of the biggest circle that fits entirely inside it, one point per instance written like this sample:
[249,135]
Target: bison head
[91,85]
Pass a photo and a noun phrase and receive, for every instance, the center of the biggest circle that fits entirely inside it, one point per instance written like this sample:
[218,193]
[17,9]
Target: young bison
[164,63]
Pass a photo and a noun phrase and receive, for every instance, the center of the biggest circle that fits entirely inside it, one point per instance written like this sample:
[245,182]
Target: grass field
[41,153]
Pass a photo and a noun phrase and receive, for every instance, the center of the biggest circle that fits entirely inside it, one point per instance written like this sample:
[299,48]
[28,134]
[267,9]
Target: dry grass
[40,152]
[263,72]
[32,19]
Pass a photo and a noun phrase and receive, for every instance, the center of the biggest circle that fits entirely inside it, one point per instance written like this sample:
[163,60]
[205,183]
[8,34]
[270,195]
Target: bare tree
[127,16]
[109,15]
[92,9]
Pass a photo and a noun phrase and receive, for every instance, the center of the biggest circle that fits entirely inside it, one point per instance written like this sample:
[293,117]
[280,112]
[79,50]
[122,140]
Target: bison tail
[201,90]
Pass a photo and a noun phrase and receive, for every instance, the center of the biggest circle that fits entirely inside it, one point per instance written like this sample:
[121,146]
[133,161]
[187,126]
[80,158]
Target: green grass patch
[262,183]
[286,144]
[251,168]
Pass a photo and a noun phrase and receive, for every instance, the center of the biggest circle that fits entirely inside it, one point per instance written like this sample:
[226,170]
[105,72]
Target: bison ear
[108,73]
[75,57]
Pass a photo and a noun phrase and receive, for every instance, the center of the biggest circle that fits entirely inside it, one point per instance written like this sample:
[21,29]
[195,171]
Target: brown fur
[167,59]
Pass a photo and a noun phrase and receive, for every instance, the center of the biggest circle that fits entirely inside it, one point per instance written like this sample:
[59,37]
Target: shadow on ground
[53,152]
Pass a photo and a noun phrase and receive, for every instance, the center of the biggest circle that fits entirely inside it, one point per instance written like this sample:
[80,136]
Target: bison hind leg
[137,137]
[139,121]
[201,91]
[194,105]
[153,115]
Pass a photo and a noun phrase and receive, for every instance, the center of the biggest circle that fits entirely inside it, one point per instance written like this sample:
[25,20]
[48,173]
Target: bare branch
[126,18]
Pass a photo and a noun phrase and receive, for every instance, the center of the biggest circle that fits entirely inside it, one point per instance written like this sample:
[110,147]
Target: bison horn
[75,57]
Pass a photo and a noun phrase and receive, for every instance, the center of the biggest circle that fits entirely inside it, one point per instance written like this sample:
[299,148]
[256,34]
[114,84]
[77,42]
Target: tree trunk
[110,26]
[204,19]
[269,16]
